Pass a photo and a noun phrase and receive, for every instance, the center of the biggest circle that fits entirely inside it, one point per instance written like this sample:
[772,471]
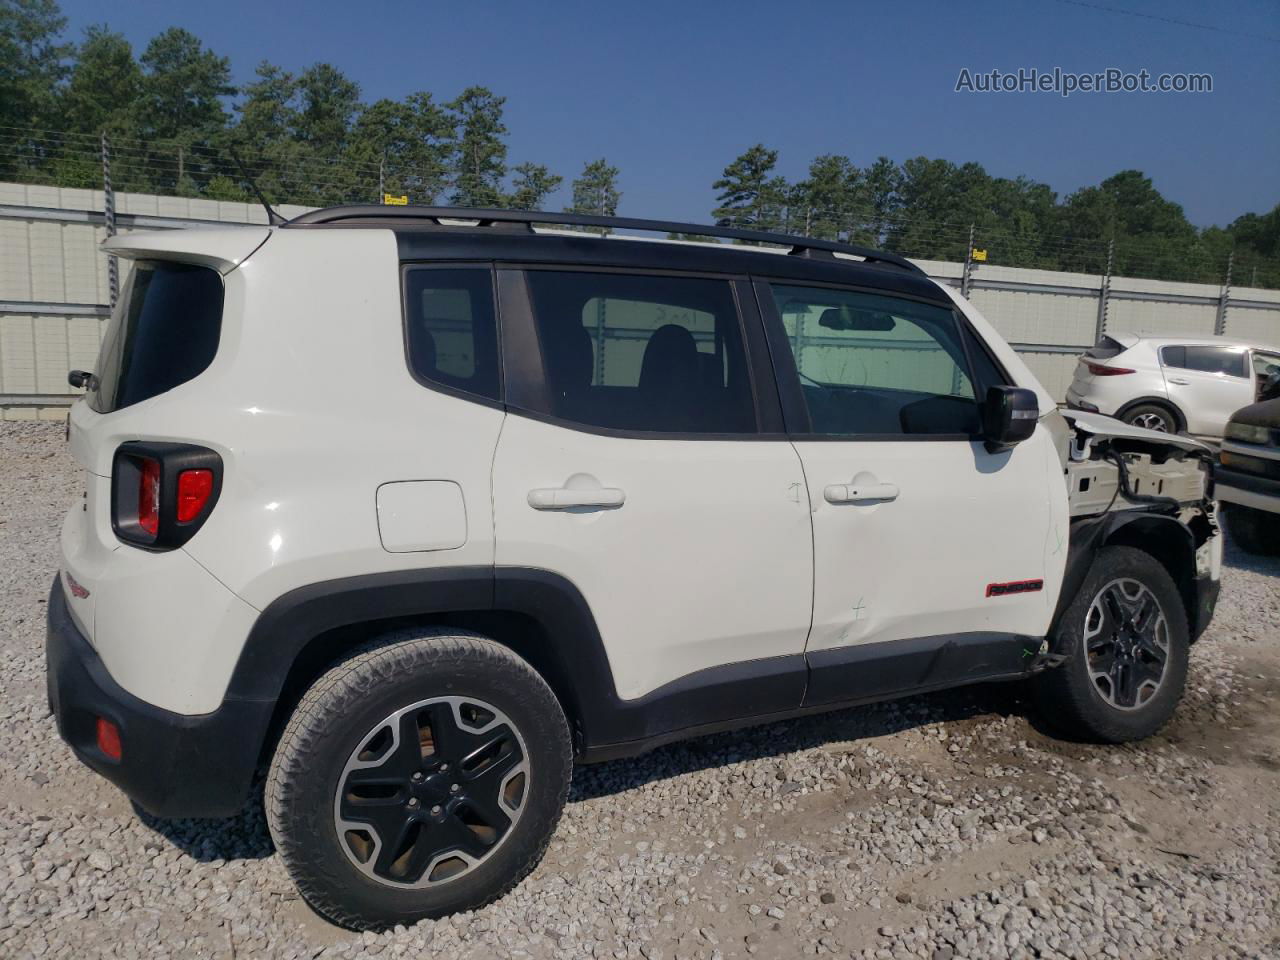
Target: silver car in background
[1172,384]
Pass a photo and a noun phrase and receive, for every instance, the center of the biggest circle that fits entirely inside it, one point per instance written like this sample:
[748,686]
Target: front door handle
[580,490]
[860,492]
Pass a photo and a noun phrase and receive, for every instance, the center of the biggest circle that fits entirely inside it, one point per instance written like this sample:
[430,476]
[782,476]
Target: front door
[934,560]
[631,465]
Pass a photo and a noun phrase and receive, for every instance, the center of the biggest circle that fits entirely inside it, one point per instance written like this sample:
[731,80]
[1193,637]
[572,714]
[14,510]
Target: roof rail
[367,214]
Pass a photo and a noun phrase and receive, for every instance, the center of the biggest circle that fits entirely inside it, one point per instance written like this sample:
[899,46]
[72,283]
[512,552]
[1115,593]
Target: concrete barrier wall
[54,294]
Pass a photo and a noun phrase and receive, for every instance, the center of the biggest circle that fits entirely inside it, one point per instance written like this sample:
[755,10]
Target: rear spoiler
[222,248]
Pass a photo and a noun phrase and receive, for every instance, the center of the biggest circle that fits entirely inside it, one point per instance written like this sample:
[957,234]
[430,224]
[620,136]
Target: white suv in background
[413,512]
[1171,384]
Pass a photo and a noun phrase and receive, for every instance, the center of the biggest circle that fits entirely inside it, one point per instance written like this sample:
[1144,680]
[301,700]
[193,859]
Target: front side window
[642,353]
[1226,360]
[872,364]
[451,328]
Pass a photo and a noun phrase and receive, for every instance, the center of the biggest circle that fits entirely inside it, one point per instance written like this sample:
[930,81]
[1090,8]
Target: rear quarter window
[164,332]
[451,329]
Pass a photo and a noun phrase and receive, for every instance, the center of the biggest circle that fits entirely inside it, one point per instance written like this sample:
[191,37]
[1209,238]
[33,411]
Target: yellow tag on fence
[389,200]
[980,254]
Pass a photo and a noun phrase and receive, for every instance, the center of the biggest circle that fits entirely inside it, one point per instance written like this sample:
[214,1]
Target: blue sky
[671,91]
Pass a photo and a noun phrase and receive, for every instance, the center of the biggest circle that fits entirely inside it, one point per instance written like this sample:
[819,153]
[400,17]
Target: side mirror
[1270,388]
[1008,417]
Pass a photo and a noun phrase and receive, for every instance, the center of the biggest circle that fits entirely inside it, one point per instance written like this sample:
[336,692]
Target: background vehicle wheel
[1152,416]
[1126,639]
[422,776]
[1254,531]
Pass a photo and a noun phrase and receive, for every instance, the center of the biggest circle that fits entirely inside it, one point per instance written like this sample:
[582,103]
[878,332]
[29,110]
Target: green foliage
[182,88]
[749,198]
[533,184]
[480,153]
[411,143]
[173,119]
[32,61]
[595,191]
[104,83]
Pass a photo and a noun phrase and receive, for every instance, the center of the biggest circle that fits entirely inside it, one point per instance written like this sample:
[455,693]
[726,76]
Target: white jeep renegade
[413,512]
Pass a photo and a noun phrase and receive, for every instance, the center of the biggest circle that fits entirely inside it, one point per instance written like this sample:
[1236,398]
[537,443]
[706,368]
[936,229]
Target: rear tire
[1253,531]
[1126,642]
[422,776]
[1152,416]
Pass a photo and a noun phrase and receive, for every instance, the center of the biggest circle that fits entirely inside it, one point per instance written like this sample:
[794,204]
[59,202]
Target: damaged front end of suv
[1153,491]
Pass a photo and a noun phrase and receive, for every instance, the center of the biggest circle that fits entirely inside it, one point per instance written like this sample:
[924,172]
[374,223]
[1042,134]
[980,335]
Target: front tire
[1254,531]
[422,776]
[1126,641]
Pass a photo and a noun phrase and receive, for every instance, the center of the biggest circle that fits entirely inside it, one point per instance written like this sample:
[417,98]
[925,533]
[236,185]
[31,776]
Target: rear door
[934,559]
[642,459]
[1208,383]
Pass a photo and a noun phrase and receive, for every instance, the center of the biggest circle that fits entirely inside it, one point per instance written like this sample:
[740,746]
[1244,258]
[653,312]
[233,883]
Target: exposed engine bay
[1114,471]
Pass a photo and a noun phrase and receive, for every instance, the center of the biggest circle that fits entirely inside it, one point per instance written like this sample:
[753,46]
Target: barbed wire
[208,171]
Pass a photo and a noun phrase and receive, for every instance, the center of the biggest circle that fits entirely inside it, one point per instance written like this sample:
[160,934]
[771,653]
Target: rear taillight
[194,489]
[149,495]
[1102,370]
[162,493]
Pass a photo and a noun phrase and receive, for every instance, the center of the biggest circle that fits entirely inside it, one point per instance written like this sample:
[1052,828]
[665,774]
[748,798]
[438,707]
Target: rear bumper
[1076,402]
[172,765]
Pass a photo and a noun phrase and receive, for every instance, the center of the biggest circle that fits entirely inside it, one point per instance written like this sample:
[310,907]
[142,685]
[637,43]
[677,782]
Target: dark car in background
[1248,474]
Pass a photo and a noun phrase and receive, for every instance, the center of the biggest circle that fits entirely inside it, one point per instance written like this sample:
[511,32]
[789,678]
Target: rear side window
[163,333]
[1228,360]
[451,328]
[1105,349]
[642,353]
[871,364]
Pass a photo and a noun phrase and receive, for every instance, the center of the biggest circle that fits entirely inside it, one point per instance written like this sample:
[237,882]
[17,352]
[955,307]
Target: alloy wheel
[431,792]
[1151,421]
[1126,642]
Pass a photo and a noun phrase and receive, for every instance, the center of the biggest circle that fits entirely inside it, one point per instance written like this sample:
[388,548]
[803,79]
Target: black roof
[425,233]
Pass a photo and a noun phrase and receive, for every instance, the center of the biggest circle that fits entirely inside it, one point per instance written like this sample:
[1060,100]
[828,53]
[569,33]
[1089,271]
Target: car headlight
[1248,433]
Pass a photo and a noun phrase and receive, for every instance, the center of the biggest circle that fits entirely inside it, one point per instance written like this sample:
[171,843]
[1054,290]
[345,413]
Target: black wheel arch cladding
[1163,537]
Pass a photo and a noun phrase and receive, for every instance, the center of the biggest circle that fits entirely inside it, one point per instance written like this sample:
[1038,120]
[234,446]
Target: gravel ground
[937,827]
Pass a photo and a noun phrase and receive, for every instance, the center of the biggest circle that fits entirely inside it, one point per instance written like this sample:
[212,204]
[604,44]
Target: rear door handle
[566,498]
[1179,381]
[860,492]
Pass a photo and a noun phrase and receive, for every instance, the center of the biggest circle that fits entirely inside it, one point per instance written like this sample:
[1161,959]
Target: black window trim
[406,266]
[524,383]
[795,410]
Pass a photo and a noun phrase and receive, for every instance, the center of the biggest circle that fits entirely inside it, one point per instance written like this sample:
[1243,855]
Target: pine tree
[830,196]
[32,61]
[409,142]
[480,153]
[595,192]
[534,183]
[104,83]
[749,198]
